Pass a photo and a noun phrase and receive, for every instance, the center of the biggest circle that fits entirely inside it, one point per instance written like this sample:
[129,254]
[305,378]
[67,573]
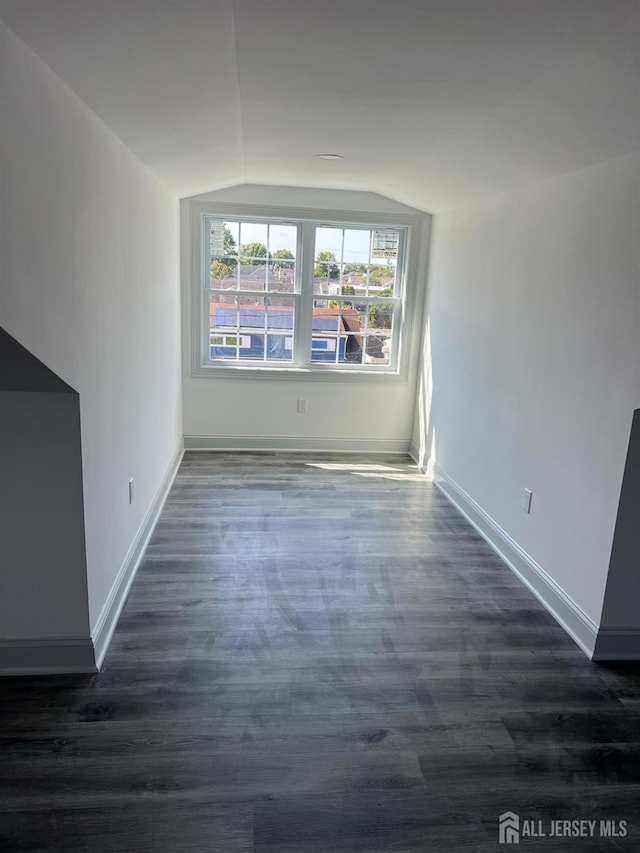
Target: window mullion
[398,317]
[238,326]
[399,292]
[205,260]
[266,322]
[206,327]
[304,316]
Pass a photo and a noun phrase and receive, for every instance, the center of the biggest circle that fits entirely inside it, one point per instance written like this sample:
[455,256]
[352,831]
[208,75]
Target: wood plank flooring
[319,654]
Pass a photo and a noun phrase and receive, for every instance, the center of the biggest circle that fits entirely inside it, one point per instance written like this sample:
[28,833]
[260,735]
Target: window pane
[283,241]
[282,246]
[251,321]
[380,316]
[223,261]
[253,242]
[231,237]
[223,274]
[377,349]
[224,334]
[243,328]
[253,349]
[280,323]
[335,332]
[330,240]
[323,348]
[326,316]
[382,279]
[281,273]
[324,332]
[379,337]
[352,349]
[348,332]
[252,275]
[350,317]
[252,256]
[357,245]
[223,237]
[328,260]
[352,261]
[385,244]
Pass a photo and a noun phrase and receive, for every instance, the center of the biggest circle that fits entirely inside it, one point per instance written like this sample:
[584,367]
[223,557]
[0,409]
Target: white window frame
[410,227]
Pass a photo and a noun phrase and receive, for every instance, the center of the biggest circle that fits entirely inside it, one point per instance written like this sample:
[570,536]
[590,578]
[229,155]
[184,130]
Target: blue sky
[356,241]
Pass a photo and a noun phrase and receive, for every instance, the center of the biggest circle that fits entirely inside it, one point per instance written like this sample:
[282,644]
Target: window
[296,294]
[251,291]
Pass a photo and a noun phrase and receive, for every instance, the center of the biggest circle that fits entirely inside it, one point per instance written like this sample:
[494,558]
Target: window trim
[199,330]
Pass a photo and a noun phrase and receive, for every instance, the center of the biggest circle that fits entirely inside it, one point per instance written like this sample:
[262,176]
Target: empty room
[319,426]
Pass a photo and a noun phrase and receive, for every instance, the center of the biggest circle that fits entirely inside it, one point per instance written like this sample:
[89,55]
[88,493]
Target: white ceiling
[432,102]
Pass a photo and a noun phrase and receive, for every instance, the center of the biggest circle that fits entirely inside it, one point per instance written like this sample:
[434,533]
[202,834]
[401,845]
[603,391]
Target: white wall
[256,412]
[532,363]
[90,285]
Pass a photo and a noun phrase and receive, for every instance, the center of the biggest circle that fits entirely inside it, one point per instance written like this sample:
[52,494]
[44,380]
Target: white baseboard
[295,444]
[617,644]
[414,452]
[561,606]
[108,619]
[47,656]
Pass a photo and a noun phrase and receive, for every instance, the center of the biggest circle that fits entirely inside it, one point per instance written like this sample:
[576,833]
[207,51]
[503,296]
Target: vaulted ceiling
[431,102]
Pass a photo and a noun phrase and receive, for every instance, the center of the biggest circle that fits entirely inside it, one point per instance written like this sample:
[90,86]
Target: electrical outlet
[131,490]
[302,406]
[527,495]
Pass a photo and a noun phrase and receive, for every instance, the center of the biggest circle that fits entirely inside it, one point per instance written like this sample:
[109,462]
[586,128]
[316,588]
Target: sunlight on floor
[408,475]
[351,466]
[384,472]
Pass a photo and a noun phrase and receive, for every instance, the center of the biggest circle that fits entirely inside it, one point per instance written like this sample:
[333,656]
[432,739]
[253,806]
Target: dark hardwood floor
[319,654]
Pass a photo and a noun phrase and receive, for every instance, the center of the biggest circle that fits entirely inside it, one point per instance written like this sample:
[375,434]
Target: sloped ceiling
[432,102]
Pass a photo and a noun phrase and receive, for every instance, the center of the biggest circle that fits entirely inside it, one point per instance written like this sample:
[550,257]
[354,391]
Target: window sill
[297,374]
